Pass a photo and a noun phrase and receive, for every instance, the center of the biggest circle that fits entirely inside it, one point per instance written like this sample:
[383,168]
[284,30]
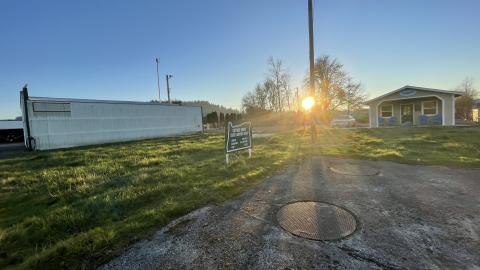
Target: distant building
[476,111]
[413,106]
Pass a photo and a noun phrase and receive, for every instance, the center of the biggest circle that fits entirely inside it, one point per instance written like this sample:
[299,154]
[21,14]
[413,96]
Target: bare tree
[279,82]
[261,97]
[330,78]
[288,100]
[270,91]
[286,93]
[273,94]
[335,88]
[249,103]
[464,104]
[354,95]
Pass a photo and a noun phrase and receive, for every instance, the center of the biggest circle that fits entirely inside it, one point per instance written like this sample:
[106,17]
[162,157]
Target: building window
[429,107]
[51,107]
[386,111]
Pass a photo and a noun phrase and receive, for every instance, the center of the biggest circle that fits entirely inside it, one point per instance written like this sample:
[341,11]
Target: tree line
[208,107]
[273,94]
[220,119]
[335,89]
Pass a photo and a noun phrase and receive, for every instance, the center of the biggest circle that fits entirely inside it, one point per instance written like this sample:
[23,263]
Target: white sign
[408,93]
[238,137]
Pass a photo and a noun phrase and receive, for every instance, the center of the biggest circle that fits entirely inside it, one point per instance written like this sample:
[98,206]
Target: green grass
[77,208]
[455,147]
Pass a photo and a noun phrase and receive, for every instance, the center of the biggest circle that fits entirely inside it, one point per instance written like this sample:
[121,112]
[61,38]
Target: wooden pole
[311,49]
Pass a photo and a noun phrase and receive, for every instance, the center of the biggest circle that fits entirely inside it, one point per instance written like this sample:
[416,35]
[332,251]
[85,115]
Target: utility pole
[312,67]
[312,57]
[158,81]
[168,77]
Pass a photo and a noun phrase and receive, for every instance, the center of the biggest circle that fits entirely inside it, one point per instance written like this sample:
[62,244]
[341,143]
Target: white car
[343,121]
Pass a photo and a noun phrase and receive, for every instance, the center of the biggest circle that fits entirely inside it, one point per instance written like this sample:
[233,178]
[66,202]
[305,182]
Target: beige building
[413,106]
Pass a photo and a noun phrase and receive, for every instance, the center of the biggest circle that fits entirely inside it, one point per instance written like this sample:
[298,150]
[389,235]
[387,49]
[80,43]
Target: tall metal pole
[158,81]
[311,51]
[168,77]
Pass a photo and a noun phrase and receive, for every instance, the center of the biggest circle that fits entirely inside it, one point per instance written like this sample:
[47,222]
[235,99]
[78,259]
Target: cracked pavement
[410,217]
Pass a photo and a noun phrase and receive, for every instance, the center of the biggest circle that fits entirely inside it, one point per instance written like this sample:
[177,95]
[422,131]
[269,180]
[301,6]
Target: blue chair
[381,122]
[423,119]
[392,121]
[436,120]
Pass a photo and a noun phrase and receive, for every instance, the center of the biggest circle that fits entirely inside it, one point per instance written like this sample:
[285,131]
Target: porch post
[453,110]
[443,112]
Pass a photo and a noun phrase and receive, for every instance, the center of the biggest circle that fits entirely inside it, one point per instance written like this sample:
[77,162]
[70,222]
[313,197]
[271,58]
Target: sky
[217,50]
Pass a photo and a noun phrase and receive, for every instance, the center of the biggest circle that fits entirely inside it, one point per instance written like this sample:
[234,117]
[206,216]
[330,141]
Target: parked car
[343,121]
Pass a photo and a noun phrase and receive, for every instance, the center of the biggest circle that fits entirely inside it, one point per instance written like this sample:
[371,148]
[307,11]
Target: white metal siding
[55,124]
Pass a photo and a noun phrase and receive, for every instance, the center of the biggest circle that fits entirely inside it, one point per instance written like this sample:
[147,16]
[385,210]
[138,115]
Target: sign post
[237,138]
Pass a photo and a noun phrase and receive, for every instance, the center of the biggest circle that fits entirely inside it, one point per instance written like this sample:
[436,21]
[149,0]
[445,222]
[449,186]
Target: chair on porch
[436,120]
[423,119]
[392,121]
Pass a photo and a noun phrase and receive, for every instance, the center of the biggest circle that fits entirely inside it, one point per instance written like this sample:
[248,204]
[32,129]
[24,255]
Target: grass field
[79,207]
[456,147]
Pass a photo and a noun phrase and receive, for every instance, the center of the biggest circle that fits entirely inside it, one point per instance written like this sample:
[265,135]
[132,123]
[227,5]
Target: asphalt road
[410,217]
[7,148]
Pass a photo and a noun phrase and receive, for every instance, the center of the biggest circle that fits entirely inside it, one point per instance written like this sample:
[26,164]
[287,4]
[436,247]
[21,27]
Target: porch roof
[456,93]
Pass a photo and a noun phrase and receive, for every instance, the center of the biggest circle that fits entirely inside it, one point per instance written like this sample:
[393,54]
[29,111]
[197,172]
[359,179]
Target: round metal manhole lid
[316,220]
[352,169]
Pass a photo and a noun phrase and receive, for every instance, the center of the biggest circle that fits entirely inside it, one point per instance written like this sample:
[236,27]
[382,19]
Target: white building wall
[62,123]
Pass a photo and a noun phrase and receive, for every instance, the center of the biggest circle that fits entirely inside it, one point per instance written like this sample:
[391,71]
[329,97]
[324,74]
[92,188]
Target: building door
[407,114]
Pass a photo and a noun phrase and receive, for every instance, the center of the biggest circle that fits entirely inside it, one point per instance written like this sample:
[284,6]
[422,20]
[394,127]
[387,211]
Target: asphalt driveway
[410,217]
[7,148]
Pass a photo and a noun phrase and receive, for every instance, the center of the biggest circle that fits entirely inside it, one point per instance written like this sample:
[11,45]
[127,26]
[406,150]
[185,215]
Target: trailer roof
[50,99]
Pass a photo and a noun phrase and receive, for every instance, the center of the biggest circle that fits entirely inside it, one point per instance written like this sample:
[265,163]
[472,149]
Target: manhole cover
[351,169]
[316,220]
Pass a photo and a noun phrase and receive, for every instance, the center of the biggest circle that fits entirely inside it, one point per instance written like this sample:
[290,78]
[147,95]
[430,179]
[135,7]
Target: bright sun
[307,103]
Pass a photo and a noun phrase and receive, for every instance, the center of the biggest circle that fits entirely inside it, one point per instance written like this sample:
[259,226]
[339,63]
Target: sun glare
[307,103]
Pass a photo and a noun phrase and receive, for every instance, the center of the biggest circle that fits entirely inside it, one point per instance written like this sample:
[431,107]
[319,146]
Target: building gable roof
[456,93]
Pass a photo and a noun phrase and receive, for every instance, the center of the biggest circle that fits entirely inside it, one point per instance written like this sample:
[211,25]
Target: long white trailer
[51,123]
